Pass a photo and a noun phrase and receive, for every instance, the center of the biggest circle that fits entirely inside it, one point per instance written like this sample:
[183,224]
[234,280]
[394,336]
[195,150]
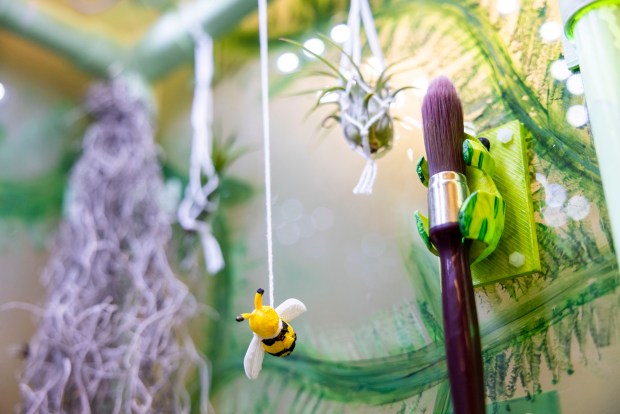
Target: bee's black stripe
[287,351]
[280,336]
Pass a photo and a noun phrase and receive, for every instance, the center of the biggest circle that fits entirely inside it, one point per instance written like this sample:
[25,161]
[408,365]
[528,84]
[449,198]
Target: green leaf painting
[537,330]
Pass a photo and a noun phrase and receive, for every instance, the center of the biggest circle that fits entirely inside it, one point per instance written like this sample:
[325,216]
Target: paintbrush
[442,118]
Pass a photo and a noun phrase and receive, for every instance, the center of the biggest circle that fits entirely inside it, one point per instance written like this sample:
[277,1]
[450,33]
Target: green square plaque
[512,178]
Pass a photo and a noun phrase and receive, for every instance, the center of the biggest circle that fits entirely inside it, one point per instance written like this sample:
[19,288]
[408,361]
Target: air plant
[362,109]
[362,104]
[226,152]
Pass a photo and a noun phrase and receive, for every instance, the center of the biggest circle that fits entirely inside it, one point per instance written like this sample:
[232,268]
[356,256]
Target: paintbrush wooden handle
[442,118]
[461,332]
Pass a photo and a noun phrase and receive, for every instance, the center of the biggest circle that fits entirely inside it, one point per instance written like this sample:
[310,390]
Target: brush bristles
[442,118]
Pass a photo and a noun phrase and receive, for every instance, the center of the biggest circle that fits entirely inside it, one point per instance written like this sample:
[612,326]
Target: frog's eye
[485,141]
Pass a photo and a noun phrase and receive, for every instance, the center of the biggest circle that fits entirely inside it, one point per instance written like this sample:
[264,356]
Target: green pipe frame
[165,46]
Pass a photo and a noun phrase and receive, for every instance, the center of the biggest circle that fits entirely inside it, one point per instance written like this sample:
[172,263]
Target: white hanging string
[352,46]
[264,67]
[371,33]
[360,12]
[196,200]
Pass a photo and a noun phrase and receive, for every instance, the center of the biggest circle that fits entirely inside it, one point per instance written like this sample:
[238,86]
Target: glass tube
[594,26]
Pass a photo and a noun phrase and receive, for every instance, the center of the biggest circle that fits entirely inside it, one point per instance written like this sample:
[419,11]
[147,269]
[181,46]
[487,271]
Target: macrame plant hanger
[351,57]
[200,199]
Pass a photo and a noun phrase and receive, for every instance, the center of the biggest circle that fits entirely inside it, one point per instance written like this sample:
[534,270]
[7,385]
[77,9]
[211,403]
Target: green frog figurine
[482,215]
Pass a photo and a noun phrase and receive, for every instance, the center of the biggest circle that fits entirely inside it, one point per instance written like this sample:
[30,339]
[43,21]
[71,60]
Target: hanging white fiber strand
[264,67]
[360,13]
[200,202]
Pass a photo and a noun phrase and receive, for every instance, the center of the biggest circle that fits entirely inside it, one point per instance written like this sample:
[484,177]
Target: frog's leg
[421,220]
[481,219]
[422,169]
[482,215]
[421,223]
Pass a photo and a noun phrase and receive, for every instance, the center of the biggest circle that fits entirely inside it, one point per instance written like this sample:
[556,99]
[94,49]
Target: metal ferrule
[447,190]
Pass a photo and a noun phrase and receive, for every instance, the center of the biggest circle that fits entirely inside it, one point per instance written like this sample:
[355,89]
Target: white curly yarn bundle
[112,336]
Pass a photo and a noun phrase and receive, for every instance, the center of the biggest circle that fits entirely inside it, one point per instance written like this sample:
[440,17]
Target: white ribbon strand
[197,193]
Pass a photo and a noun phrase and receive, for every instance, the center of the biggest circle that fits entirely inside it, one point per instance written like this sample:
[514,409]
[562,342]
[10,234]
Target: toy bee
[272,332]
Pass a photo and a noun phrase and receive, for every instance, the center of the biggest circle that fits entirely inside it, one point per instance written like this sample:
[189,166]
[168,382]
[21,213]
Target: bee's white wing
[290,309]
[253,361]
